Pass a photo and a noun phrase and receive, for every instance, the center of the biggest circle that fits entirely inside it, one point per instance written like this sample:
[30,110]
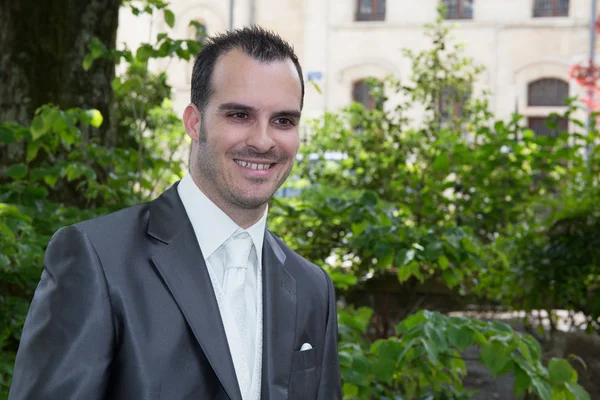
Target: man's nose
[260,137]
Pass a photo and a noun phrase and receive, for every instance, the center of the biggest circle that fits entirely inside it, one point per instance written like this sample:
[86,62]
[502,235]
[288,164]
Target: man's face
[247,135]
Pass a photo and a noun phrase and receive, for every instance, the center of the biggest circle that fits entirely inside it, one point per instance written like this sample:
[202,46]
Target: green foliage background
[480,206]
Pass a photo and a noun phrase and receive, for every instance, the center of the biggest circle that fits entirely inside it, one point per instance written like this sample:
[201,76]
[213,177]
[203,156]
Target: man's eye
[284,122]
[239,115]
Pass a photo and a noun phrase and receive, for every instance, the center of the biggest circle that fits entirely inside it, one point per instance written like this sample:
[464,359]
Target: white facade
[336,50]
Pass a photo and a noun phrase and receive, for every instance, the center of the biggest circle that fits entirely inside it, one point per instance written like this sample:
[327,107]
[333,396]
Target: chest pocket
[304,379]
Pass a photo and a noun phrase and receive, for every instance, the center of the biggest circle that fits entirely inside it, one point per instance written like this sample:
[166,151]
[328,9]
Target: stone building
[526,46]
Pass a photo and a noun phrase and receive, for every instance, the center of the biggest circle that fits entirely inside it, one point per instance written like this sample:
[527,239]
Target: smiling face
[246,138]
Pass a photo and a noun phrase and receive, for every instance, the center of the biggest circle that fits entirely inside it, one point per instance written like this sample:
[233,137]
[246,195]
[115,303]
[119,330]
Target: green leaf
[345,359]
[49,115]
[6,134]
[468,245]
[316,86]
[383,369]
[350,389]
[7,233]
[441,164]
[169,17]
[161,36]
[369,198]
[542,388]
[522,380]
[88,61]
[525,351]
[60,124]
[352,376]
[560,371]
[528,134]
[37,127]
[95,118]
[17,171]
[359,227]
[410,322]
[578,391]
[404,256]
[342,280]
[51,180]
[436,335]
[502,327]
[7,210]
[360,364]
[443,262]
[461,337]
[144,52]
[408,270]
[458,366]
[494,355]
[35,191]
[499,127]
[387,348]
[32,150]
[431,350]
[451,278]
[434,250]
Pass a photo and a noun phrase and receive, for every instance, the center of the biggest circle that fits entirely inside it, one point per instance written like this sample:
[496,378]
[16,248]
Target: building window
[370,10]
[459,9]
[551,8]
[362,92]
[547,92]
[451,103]
[548,126]
[200,32]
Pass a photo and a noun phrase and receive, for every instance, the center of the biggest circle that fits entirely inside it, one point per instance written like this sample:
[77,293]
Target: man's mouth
[255,166]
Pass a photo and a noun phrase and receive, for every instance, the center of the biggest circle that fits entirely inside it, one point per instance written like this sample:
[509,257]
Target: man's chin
[255,200]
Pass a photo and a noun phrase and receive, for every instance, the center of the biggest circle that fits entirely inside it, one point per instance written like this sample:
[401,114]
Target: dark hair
[254,41]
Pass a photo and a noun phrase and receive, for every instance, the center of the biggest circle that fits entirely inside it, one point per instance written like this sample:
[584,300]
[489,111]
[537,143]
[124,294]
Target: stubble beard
[207,170]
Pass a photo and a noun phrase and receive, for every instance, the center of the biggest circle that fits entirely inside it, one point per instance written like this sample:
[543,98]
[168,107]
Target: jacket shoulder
[116,222]
[301,264]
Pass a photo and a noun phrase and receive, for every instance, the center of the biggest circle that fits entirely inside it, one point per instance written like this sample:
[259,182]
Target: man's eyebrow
[294,114]
[236,107]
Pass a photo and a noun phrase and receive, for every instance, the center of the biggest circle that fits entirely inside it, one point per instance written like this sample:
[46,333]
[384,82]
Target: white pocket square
[305,346]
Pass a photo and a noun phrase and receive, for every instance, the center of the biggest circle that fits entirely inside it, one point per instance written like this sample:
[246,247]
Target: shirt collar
[211,225]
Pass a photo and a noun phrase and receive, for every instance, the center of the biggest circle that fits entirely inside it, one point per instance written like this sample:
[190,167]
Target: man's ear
[191,121]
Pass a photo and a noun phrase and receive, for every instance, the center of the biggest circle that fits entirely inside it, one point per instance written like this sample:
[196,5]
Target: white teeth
[252,165]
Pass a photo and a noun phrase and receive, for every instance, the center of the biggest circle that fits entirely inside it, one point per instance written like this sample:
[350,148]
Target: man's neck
[244,217]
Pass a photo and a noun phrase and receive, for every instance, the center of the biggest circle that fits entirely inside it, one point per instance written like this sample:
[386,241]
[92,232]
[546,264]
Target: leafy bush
[465,201]
[424,360]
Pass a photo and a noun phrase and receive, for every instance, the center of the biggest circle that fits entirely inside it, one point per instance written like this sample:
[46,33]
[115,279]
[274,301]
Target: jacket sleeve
[67,342]
[330,383]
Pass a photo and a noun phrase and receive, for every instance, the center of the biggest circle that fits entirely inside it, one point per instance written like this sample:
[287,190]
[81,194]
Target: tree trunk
[43,44]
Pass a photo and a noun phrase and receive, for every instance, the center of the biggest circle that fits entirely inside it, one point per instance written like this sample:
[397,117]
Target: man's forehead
[235,58]
[239,78]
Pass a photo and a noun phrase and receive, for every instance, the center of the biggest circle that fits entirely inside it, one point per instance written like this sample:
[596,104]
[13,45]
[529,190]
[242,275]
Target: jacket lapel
[279,321]
[181,265]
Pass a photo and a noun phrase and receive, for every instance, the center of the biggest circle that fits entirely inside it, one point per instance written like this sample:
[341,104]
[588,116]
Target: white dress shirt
[213,228]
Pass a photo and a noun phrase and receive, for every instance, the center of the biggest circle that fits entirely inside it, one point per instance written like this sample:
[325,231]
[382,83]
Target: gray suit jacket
[125,310]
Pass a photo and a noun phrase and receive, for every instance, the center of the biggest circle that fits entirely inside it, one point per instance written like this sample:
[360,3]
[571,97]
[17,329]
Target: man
[189,296]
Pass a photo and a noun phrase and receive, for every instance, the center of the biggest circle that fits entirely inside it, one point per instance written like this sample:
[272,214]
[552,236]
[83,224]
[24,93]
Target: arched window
[547,92]
[451,103]
[199,31]
[362,92]
[552,125]
[551,8]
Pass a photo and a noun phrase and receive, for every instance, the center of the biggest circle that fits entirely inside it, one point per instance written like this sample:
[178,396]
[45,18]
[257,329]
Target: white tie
[237,253]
